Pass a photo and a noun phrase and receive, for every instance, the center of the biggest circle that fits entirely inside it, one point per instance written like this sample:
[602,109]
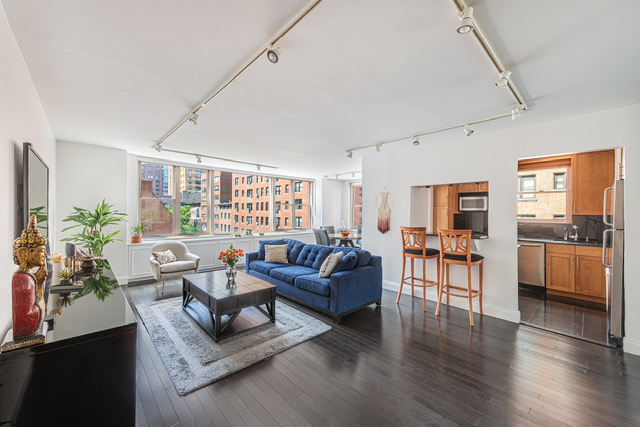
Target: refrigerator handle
[604,246]
[605,206]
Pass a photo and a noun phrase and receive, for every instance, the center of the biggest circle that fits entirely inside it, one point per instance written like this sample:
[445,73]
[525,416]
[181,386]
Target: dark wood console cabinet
[84,374]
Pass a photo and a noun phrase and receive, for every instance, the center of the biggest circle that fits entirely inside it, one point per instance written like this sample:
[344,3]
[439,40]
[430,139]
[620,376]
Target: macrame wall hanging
[384,211]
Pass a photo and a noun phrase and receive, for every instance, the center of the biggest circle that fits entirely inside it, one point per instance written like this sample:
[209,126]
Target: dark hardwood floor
[396,365]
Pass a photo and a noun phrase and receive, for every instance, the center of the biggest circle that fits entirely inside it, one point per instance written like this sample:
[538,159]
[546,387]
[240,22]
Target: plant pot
[65,282]
[136,239]
[88,265]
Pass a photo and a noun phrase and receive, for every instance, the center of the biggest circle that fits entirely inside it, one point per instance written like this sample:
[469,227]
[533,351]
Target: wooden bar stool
[414,246]
[455,248]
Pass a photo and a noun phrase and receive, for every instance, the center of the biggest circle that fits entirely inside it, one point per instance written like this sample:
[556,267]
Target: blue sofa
[341,293]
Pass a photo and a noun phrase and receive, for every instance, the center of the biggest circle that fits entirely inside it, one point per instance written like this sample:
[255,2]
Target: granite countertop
[580,242]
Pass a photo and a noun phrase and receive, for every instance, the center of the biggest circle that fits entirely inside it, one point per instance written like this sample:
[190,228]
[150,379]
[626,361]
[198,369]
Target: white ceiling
[352,72]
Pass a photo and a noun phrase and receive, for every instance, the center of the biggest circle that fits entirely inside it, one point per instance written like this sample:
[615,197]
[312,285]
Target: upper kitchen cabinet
[473,187]
[592,173]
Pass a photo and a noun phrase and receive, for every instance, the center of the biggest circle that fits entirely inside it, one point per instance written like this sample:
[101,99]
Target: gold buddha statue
[27,287]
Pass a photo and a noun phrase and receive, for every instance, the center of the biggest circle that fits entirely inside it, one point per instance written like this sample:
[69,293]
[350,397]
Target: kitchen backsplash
[588,225]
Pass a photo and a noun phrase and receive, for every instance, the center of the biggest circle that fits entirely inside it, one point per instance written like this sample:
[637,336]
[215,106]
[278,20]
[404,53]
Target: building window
[356,205]
[250,179]
[297,187]
[526,187]
[237,181]
[526,216]
[286,188]
[298,221]
[277,190]
[559,181]
[298,203]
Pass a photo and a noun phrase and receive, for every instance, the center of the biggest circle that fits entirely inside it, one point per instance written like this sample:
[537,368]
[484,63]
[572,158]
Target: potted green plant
[65,276]
[137,231]
[92,236]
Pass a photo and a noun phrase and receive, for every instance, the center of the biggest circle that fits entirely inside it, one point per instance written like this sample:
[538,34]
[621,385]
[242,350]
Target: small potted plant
[137,231]
[65,276]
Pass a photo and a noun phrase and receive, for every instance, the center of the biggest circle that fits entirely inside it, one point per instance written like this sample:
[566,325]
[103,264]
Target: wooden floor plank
[396,365]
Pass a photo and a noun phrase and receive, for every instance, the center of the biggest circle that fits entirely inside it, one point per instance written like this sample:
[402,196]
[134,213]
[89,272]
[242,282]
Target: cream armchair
[187,262]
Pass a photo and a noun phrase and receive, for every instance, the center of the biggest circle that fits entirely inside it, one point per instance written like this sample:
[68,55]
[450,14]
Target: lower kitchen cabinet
[576,271]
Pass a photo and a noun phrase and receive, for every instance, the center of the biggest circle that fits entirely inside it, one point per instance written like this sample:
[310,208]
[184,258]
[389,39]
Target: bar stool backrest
[455,242]
[414,238]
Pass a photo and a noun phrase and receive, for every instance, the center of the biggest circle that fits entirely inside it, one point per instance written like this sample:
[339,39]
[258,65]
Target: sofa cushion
[313,283]
[313,256]
[348,262]
[276,254]
[295,247]
[289,274]
[330,264]
[171,267]
[261,250]
[363,256]
[264,267]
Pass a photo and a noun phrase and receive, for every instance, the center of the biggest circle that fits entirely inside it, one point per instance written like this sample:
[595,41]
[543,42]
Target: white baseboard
[631,346]
[432,295]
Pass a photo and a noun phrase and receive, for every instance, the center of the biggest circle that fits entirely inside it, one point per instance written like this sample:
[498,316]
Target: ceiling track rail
[281,33]
[521,105]
[199,156]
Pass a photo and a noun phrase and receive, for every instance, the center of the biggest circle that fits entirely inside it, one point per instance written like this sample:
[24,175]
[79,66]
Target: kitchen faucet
[574,234]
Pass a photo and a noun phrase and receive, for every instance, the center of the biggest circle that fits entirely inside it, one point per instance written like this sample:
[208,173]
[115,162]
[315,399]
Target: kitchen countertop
[581,242]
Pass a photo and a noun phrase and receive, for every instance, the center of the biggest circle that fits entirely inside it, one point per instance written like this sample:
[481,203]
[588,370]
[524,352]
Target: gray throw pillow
[330,264]
[276,254]
[164,257]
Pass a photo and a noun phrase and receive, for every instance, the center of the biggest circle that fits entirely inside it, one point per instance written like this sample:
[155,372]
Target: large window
[542,193]
[175,200]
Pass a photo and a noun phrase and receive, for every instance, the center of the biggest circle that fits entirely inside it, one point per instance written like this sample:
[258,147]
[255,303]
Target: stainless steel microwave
[473,203]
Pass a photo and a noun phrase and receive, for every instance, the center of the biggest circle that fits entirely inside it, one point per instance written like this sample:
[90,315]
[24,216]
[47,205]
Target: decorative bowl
[345,233]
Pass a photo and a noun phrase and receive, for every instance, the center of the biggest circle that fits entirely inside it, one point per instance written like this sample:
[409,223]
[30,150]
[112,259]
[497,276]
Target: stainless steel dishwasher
[531,263]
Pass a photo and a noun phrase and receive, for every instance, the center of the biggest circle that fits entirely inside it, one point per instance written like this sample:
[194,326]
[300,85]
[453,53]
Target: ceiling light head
[467,131]
[199,159]
[337,176]
[378,146]
[350,154]
[503,80]
[416,141]
[466,21]
[158,148]
[517,111]
[258,166]
[273,54]
[353,174]
[193,118]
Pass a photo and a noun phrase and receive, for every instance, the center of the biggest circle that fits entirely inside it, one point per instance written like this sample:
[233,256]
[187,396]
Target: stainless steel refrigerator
[613,258]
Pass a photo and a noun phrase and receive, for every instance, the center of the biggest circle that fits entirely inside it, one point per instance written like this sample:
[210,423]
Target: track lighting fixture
[416,141]
[467,130]
[199,159]
[158,148]
[378,146]
[273,54]
[258,166]
[517,112]
[350,154]
[338,175]
[466,21]
[353,174]
[503,80]
[194,118]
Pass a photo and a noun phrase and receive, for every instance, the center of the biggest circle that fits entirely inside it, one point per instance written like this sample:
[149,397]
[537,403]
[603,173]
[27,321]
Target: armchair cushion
[172,267]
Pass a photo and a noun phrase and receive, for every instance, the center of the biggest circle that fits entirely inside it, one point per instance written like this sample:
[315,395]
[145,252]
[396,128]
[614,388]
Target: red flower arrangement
[231,256]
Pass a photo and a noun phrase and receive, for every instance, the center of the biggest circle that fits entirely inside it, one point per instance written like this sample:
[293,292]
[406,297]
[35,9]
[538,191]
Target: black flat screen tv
[35,181]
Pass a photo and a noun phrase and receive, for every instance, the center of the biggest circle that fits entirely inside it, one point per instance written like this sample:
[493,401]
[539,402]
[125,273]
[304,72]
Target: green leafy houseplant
[139,230]
[92,237]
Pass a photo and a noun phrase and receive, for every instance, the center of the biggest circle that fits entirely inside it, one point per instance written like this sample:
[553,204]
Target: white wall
[87,174]
[22,119]
[493,157]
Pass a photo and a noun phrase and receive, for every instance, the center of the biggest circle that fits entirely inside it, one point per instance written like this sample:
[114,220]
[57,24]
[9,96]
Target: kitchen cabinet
[575,271]
[592,173]
[473,187]
[445,202]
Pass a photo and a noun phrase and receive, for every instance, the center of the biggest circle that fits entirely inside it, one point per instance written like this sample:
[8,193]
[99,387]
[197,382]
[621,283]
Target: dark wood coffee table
[211,290]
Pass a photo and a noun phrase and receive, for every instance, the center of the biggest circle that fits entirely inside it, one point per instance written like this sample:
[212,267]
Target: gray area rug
[193,359]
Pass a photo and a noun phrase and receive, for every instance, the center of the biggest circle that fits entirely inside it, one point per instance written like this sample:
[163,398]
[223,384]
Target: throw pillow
[330,264]
[261,249]
[348,262]
[276,254]
[164,257]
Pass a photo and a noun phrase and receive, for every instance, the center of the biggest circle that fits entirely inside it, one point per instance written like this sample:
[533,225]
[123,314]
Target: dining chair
[455,249]
[414,246]
[322,237]
[330,230]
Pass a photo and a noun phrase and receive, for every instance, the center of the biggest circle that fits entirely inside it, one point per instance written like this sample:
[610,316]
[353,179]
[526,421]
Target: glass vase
[231,276]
